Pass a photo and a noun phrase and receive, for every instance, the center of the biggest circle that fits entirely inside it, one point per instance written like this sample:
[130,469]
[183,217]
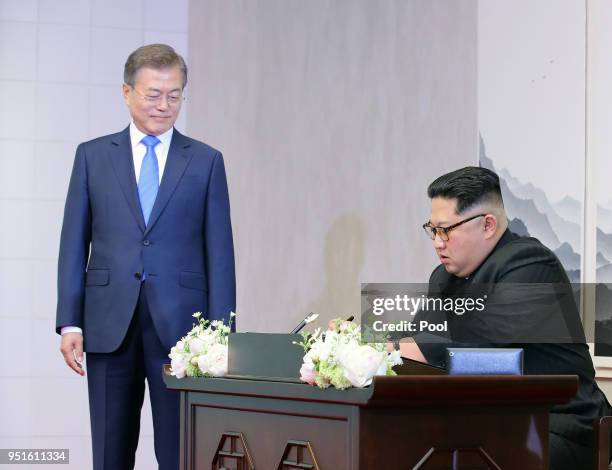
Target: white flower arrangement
[338,357]
[203,352]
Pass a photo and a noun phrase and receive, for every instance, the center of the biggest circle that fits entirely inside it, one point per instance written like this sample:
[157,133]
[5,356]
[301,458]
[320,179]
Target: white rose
[360,363]
[214,362]
[196,345]
[177,366]
[203,364]
[308,357]
[307,372]
[319,351]
[325,351]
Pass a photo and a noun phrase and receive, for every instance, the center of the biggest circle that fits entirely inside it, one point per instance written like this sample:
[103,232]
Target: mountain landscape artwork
[558,225]
[535,106]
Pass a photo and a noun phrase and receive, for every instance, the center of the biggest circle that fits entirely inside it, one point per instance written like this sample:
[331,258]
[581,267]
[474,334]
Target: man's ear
[490,225]
[125,91]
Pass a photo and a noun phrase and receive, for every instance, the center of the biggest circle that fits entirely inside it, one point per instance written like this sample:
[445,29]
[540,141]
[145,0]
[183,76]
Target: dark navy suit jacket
[186,250]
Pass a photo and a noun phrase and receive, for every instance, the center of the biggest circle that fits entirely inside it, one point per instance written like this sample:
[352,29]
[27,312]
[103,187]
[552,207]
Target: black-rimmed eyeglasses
[442,232]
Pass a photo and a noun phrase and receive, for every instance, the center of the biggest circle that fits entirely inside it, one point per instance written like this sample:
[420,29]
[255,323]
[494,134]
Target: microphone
[309,318]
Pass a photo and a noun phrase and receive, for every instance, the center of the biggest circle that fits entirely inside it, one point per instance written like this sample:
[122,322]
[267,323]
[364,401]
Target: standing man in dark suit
[469,230]
[146,242]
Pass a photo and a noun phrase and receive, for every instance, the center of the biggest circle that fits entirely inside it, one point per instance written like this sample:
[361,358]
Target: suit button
[137,276]
[146,243]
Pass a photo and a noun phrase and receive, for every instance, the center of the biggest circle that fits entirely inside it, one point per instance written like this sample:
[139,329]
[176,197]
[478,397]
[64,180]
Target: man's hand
[72,350]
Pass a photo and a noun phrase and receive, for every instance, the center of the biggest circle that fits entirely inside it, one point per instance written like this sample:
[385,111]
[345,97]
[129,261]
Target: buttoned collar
[136,136]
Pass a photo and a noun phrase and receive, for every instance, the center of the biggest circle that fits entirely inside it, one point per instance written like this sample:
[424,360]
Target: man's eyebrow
[157,90]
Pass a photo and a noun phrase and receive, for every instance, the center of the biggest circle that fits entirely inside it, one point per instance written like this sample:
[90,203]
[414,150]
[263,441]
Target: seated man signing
[469,231]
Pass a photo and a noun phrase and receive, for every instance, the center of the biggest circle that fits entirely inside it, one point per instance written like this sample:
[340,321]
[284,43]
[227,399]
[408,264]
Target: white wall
[333,117]
[61,69]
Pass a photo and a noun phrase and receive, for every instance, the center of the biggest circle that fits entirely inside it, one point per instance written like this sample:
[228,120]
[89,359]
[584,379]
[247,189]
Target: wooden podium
[428,422]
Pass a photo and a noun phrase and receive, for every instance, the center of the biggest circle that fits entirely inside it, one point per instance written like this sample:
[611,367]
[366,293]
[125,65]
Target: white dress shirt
[138,152]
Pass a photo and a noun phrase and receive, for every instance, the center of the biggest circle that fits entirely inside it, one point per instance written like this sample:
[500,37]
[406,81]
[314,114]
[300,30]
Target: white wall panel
[18,242]
[63,53]
[17,281]
[115,116]
[42,279]
[60,84]
[61,112]
[64,12]
[16,158]
[178,40]
[109,50]
[19,10]
[119,13]
[50,179]
[16,348]
[18,110]
[47,214]
[18,50]
[167,16]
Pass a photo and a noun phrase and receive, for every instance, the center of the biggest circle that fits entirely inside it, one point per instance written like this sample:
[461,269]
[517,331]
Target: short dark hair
[155,56]
[470,186]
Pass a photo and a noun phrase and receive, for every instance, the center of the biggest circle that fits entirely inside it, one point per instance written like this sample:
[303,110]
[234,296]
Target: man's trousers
[116,391]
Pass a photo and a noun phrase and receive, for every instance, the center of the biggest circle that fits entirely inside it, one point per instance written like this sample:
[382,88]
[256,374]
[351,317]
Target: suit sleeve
[219,245]
[530,301]
[432,346]
[74,247]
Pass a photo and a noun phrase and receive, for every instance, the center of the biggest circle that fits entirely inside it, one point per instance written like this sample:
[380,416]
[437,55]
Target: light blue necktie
[148,183]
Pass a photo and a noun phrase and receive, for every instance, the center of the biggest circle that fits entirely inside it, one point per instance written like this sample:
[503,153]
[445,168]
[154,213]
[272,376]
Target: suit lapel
[176,163]
[122,161]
